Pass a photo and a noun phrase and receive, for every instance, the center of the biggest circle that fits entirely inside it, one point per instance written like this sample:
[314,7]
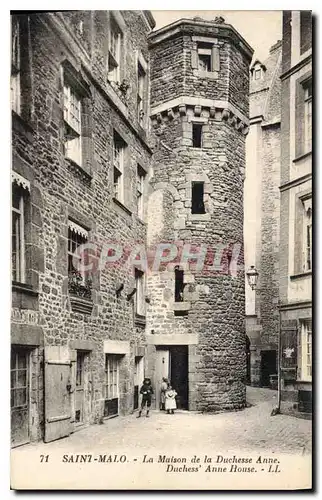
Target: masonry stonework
[213,303]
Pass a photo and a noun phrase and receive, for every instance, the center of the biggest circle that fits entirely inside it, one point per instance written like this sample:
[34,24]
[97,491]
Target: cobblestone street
[252,431]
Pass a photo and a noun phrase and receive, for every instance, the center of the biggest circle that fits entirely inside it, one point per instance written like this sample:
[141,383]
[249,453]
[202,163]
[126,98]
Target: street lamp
[252,278]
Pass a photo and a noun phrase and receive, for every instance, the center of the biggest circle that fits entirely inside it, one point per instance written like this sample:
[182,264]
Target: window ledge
[301,381]
[199,217]
[139,319]
[120,204]
[80,305]
[23,287]
[181,306]
[302,156]
[21,126]
[83,171]
[306,274]
[212,75]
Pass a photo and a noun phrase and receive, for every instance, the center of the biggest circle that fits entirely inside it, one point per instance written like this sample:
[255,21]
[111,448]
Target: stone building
[261,215]
[80,128]
[199,113]
[295,285]
[82,174]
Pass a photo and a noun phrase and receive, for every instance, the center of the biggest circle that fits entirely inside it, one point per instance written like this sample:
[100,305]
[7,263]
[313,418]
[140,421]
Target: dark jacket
[147,391]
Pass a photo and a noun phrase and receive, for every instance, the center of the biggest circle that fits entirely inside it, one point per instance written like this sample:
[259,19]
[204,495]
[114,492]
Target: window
[306,349]
[179,284]
[258,74]
[79,281]
[72,121]
[307,235]
[140,191]
[140,296]
[196,135]
[111,376]
[141,94]
[80,369]
[18,235]
[15,66]
[307,115]
[204,57]
[19,378]
[118,163]
[305,30]
[114,56]
[197,203]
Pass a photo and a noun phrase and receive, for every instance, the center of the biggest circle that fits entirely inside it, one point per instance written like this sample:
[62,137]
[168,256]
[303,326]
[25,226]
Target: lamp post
[252,278]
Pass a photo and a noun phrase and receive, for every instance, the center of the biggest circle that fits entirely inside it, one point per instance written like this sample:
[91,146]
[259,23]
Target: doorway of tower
[268,366]
[172,363]
[19,389]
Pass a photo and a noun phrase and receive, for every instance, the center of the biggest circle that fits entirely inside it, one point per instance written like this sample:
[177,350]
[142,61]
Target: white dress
[170,400]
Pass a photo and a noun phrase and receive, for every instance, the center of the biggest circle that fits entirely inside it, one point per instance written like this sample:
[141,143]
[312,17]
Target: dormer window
[258,74]
[257,70]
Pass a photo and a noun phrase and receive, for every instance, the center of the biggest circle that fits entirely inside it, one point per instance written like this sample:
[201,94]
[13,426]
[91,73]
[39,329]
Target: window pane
[20,397]
[22,378]
[13,378]
[22,360]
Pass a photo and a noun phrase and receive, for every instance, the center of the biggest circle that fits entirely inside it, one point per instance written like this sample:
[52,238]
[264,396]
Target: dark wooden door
[179,374]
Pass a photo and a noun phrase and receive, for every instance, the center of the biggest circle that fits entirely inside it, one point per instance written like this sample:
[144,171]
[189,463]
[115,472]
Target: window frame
[307,88]
[179,285]
[72,132]
[71,252]
[15,83]
[193,185]
[15,370]
[115,57]
[141,93]
[112,365]
[204,49]
[119,153]
[141,180]
[21,272]
[198,125]
[307,234]
[140,309]
[306,350]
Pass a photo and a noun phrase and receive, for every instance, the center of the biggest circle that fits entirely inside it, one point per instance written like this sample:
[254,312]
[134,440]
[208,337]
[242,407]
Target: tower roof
[197,25]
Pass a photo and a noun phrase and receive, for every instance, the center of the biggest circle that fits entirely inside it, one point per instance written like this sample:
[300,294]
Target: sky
[261,29]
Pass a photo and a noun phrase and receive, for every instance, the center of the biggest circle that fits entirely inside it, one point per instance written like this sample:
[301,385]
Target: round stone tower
[199,120]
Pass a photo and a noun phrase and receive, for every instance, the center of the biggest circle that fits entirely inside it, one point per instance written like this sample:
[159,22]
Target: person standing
[164,386]
[170,400]
[146,391]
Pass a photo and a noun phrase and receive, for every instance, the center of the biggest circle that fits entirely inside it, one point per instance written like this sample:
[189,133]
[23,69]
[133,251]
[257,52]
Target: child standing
[146,391]
[170,400]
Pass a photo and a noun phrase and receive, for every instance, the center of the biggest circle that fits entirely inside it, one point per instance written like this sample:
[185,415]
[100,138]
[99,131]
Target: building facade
[261,216]
[104,117]
[296,213]
[80,128]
